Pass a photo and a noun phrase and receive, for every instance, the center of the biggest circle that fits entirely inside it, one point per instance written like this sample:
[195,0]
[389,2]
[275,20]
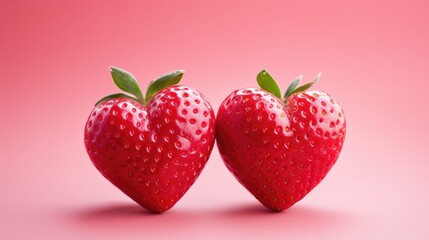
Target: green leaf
[317,77]
[302,88]
[114,96]
[165,81]
[126,82]
[292,86]
[267,82]
[305,86]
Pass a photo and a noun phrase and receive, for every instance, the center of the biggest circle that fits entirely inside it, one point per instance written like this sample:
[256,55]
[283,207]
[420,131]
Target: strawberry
[152,148]
[279,149]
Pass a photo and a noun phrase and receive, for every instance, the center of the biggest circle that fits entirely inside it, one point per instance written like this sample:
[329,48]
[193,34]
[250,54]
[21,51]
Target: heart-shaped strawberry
[279,149]
[152,148]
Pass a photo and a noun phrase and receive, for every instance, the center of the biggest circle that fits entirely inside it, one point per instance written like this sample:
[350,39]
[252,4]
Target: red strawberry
[152,148]
[279,149]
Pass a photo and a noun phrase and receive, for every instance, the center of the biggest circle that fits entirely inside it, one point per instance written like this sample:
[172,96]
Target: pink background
[54,58]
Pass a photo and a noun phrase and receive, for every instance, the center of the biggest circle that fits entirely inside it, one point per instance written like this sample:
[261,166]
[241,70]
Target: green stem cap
[127,83]
[267,83]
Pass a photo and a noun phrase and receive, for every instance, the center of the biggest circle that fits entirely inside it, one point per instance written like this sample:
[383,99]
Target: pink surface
[54,59]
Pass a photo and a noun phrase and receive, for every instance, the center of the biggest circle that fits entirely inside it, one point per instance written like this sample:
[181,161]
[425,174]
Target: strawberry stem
[292,89]
[267,83]
[127,83]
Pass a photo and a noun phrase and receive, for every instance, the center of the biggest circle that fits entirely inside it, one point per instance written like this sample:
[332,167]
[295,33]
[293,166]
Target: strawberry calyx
[267,83]
[128,83]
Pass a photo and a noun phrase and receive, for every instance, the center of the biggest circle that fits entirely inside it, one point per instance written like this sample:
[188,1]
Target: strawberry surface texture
[279,149]
[154,148]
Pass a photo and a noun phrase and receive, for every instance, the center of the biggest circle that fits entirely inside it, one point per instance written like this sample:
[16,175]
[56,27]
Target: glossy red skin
[152,153]
[279,152]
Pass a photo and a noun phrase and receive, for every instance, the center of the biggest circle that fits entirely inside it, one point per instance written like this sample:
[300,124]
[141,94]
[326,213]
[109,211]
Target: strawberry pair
[154,146]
